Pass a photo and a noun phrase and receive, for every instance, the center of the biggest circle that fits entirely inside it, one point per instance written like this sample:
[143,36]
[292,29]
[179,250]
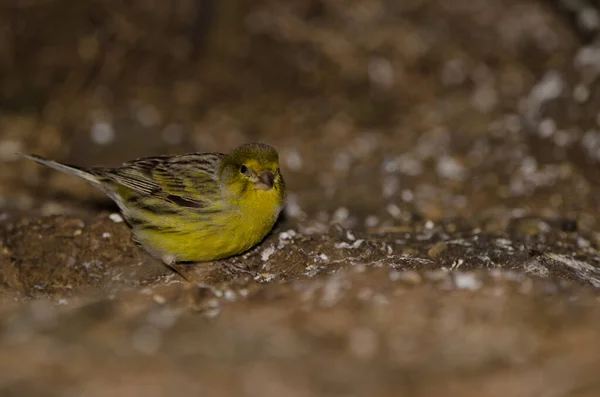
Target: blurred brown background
[442,108]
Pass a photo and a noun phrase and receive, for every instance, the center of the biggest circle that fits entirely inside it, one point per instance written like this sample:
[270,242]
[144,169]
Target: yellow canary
[197,206]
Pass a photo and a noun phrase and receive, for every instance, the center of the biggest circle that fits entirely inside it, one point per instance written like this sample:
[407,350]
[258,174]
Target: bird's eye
[243,169]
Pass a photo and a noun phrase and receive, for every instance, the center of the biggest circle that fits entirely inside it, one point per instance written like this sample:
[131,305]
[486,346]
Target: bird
[195,207]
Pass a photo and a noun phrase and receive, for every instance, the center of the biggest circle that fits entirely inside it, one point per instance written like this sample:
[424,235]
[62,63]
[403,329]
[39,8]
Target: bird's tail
[68,169]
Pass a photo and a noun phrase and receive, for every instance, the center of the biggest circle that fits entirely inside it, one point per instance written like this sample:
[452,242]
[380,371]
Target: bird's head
[252,168]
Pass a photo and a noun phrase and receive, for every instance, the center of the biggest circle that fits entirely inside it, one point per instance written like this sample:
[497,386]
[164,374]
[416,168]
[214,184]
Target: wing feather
[189,180]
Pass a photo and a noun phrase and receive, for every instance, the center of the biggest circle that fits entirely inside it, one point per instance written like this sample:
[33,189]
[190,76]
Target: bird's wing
[136,178]
[188,180]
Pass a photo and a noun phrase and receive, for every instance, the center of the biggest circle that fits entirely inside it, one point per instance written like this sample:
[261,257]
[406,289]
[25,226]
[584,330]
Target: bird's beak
[265,180]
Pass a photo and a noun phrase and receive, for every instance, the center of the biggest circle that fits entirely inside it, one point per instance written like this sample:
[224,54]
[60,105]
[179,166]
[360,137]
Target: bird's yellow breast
[230,231]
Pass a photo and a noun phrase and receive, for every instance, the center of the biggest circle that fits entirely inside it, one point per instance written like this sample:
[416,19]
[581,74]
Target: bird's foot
[229,268]
[171,262]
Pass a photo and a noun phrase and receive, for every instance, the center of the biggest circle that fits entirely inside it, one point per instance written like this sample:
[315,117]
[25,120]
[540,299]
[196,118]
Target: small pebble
[116,218]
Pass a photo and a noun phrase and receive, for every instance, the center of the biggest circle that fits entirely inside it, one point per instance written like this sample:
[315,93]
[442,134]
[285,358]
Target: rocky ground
[441,235]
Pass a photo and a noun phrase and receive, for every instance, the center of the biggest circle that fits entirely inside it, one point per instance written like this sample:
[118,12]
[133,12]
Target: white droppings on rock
[390,186]
[266,277]
[350,235]
[390,165]
[287,235]
[582,269]
[581,93]
[311,270]
[266,253]
[535,268]
[550,87]
[407,195]
[116,218]
[92,264]
[467,281]
[394,211]
[341,215]
[345,245]
[102,132]
[504,243]
[588,56]
[582,242]
[292,208]
[293,160]
[371,221]
[591,143]
[448,167]
[546,128]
